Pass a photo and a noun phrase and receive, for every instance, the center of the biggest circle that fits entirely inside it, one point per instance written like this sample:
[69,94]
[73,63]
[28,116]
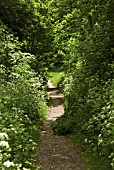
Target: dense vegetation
[36,36]
[22,104]
[85,32]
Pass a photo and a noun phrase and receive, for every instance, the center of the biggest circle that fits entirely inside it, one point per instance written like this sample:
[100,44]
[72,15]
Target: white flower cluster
[3,136]
[4,143]
[8,164]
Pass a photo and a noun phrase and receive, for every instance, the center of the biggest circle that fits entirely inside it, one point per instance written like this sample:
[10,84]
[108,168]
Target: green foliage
[9,51]
[92,159]
[29,20]
[63,125]
[79,36]
[22,114]
[83,34]
[22,105]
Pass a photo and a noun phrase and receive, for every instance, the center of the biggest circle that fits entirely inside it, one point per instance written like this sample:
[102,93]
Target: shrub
[22,106]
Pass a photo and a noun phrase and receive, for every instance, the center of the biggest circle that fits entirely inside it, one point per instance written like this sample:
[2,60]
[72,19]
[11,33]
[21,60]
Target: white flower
[4,143]
[3,135]
[8,164]
[25,169]
[86,140]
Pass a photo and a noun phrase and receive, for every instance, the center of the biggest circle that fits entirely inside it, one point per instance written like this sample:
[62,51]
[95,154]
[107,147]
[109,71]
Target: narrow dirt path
[57,152]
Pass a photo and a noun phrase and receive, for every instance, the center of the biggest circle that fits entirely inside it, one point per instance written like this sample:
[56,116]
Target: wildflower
[25,169]
[3,135]
[4,143]
[8,164]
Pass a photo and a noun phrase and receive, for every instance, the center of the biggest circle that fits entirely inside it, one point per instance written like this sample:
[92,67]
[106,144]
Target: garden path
[57,152]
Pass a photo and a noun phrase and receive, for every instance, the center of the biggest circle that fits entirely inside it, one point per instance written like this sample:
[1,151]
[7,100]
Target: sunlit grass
[56,77]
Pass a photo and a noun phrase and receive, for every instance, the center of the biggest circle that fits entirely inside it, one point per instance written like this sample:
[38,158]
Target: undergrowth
[92,159]
[23,107]
[91,120]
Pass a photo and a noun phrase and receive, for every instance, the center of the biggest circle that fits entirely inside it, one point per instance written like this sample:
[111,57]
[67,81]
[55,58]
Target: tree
[29,21]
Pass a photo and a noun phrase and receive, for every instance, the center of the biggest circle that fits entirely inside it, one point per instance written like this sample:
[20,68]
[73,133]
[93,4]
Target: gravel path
[57,152]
